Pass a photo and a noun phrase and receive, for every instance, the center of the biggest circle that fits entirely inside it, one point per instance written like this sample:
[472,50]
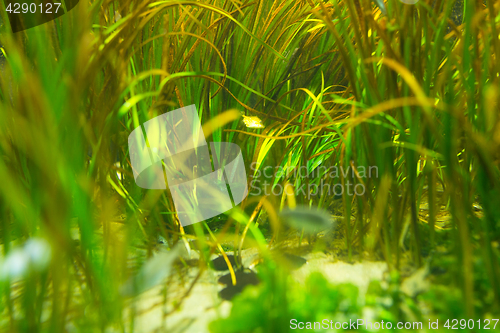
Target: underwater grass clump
[382,114]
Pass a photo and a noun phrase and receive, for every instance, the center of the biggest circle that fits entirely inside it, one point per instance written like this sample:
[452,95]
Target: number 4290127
[486,324]
[43,8]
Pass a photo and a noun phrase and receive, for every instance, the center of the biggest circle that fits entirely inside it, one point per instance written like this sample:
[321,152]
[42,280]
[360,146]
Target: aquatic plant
[328,89]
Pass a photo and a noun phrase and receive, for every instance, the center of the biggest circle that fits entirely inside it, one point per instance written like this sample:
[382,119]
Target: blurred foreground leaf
[152,273]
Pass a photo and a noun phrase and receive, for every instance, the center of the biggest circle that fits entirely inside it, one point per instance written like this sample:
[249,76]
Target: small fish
[309,219]
[153,272]
[380,4]
[118,16]
[253,122]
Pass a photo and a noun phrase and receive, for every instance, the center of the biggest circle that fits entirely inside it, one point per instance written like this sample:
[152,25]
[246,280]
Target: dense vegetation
[412,90]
